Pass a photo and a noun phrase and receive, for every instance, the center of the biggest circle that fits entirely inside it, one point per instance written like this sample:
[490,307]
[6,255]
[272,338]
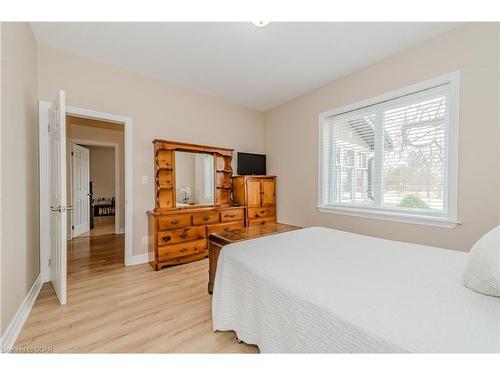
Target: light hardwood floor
[112,308]
[102,225]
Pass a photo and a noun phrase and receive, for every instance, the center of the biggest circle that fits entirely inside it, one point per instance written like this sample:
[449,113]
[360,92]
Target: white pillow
[482,273]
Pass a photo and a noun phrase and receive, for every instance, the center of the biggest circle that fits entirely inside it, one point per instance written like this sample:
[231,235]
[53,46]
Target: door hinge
[50,262]
[72,153]
[73,227]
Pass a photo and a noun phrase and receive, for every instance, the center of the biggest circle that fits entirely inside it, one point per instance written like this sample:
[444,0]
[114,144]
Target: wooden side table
[218,240]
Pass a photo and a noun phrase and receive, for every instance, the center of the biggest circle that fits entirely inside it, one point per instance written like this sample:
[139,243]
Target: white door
[81,190]
[58,209]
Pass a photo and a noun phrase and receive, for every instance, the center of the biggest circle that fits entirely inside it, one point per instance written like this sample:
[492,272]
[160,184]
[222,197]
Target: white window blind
[390,157]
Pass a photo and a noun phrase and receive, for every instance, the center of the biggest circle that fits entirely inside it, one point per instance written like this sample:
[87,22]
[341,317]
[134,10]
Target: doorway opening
[56,212]
[96,191]
[96,188]
[95,175]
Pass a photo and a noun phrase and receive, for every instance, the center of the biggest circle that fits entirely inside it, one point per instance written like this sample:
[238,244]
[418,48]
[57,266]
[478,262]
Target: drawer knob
[183,235]
[174,222]
[226,229]
[167,238]
[206,218]
[183,250]
[230,215]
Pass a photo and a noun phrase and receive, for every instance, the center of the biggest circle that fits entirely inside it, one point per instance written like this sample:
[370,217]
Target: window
[394,156]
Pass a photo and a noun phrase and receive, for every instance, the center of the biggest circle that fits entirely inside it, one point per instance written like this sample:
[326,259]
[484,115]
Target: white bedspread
[323,290]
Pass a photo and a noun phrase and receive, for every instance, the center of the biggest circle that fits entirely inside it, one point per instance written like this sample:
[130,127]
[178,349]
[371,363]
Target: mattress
[320,290]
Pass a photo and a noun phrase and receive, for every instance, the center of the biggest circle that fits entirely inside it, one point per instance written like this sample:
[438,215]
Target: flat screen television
[251,164]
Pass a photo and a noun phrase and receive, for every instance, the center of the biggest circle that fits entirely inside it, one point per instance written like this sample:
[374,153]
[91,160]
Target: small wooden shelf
[164,179]
[165,185]
[223,196]
[223,164]
[164,159]
[165,198]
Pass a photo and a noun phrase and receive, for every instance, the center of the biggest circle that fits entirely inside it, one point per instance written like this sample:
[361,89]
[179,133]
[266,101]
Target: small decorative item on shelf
[186,191]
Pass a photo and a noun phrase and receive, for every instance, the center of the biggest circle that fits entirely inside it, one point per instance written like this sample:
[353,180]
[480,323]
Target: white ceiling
[257,67]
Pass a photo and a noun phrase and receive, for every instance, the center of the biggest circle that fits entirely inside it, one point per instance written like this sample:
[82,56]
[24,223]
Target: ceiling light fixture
[261,23]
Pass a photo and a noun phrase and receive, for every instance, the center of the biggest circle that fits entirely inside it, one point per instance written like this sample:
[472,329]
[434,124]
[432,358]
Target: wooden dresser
[178,232]
[258,194]
[180,236]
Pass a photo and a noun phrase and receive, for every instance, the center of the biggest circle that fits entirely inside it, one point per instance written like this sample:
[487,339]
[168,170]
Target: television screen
[251,164]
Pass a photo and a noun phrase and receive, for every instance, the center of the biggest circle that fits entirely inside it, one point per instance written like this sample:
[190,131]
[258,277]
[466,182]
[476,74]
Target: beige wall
[158,111]
[98,131]
[19,148]
[1,190]
[102,171]
[292,136]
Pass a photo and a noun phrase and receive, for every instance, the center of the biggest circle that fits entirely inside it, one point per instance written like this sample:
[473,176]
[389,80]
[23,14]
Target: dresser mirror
[191,176]
[194,179]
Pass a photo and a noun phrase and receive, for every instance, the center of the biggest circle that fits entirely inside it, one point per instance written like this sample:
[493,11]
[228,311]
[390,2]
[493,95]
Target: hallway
[102,225]
[95,254]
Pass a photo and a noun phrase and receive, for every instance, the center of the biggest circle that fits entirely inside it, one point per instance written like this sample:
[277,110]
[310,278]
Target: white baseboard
[139,259]
[16,324]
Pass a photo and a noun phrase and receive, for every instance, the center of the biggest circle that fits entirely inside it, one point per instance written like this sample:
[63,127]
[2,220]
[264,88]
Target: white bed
[323,290]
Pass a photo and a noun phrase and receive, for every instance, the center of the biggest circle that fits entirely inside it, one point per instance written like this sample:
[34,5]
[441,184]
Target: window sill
[393,216]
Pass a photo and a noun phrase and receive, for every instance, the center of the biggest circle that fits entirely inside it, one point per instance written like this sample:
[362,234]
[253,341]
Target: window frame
[450,220]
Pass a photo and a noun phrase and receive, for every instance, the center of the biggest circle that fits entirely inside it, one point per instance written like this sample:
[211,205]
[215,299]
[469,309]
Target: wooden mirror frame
[165,185]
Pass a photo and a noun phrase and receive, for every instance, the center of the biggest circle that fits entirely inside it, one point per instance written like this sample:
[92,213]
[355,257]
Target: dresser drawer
[174,221]
[181,235]
[181,249]
[205,218]
[225,227]
[262,221]
[255,213]
[231,215]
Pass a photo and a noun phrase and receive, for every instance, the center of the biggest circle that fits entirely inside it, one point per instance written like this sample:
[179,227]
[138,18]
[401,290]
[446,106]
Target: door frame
[116,148]
[43,110]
